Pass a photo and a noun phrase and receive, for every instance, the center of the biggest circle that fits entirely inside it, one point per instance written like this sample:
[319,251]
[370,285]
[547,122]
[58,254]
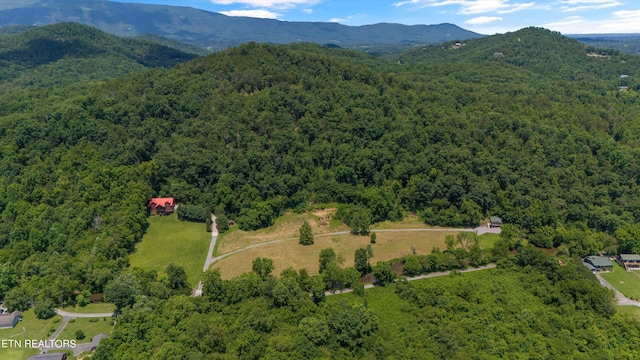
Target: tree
[306,234]
[359,220]
[467,239]
[44,309]
[84,298]
[412,266]
[79,334]
[262,266]
[122,290]
[316,330]
[361,262]
[351,325]
[177,279]
[372,238]
[222,222]
[327,256]
[213,285]
[383,273]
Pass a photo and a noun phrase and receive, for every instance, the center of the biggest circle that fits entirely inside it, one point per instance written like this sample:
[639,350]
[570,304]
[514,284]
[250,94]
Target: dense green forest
[530,307]
[525,126]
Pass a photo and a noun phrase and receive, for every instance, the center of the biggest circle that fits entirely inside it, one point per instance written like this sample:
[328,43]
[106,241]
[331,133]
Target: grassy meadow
[285,227]
[30,328]
[90,326]
[291,254]
[169,240]
[627,282]
[91,308]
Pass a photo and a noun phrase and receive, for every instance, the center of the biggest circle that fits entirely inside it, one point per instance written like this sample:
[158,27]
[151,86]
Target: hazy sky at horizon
[482,16]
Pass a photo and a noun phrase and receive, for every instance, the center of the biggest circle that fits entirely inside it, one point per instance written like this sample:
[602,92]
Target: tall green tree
[306,234]
[361,262]
[383,273]
[262,266]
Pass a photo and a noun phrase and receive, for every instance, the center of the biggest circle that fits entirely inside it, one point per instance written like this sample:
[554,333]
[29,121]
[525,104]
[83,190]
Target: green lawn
[90,326]
[91,308]
[169,240]
[627,282]
[630,311]
[487,241]
[29,328]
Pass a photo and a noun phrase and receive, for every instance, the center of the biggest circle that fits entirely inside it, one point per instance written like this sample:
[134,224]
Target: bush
[45,309]
[194,213]
[80,335]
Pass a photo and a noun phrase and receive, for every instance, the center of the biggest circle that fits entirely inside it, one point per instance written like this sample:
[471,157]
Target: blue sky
[483,16]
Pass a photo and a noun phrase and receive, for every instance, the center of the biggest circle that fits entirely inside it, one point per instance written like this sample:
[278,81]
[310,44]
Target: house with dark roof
[8,321]
[161,206]
[598,263]
[495,222]
[629,261]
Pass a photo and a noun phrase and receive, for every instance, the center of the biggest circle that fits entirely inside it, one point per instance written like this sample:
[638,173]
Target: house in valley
[161,206]
[629,261]
[495,222]
[598,263]
[8,321]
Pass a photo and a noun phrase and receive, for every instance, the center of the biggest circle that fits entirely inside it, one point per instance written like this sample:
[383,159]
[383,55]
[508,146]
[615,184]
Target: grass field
[627,282]
[91,308]
[389,245]
[487,241]
[169,240]
[393,314]
[630,311]
[285,227]
[411,221]
[34,328]
[90,326]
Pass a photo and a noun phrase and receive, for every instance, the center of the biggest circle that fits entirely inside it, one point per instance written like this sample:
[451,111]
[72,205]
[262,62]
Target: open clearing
[630,311]
[34,328]
[169,240]
[389,245]
[91,308]
[90,326]
[627,282]
[285,227]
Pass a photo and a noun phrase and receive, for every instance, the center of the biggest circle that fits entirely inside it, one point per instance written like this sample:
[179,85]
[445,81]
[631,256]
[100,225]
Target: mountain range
[216,31]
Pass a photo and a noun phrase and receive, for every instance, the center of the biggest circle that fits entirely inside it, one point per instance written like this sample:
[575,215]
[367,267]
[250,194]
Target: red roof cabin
[161,206]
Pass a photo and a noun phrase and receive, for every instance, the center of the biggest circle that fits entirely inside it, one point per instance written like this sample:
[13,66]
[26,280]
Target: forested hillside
[525,126]
[69,53]
[531,307]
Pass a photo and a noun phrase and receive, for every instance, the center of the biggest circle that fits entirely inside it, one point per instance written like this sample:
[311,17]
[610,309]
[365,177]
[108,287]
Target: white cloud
[592,6]
[481,20]
[468,7]
[518,7]
[348,18]
[623,21]
[307,11]
[269,4]
[264,14]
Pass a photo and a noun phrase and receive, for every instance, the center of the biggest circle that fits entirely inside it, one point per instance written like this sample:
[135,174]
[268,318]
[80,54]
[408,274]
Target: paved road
[73,315]
[210,259]
[66,316]
[622,300]
[419,277]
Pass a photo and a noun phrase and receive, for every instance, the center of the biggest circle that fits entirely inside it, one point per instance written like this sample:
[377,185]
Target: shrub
[194,213]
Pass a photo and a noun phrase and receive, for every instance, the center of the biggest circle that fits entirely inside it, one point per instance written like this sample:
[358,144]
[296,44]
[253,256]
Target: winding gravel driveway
[622,300]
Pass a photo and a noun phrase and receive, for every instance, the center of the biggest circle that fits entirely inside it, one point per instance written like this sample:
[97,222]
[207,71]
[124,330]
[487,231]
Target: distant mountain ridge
[214,30]
[69,52]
